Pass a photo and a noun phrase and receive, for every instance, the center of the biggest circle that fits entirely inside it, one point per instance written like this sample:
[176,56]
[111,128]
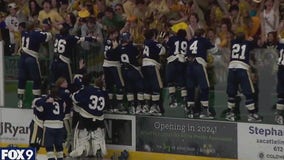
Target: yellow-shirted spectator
[281,29]
[141,11]
[76,5]
[135,28]
[158,5]
[224,36]
[129,7]
[63,8]
[23,11]
[54,16]
[243,6]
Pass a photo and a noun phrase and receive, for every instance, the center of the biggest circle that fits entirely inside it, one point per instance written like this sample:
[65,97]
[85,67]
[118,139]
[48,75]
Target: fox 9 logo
[17,153]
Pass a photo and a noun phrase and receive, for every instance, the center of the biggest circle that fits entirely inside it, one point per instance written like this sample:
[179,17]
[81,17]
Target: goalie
[89,136]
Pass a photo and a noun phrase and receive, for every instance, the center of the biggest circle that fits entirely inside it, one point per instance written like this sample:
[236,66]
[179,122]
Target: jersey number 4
[97,103]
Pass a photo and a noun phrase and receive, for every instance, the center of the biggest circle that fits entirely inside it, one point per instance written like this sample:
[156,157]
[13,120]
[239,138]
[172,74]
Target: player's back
[38,111]
[91,100]
[129,54]
[54,110]
[65,94]
[64,44]
[177,45]
[152,50]
[198,47]
[110,53]
[32,40]
[240,50]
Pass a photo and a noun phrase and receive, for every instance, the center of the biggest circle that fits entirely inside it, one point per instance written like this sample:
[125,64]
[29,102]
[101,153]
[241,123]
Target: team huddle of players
[137,75]
[185,71]
[126,76]
[72,110]
[70,116]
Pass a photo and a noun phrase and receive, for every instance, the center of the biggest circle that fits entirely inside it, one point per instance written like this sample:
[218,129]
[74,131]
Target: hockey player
[53,109]
[151,72]
[112,71]
[89,135]
[177,46]
[239,75]
[129,56]
[196,74]
[63,47]
[36,126]
[64,93]
[280,85]
[28,64]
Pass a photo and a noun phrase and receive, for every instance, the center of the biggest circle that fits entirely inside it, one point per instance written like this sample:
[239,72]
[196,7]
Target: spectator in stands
[2,21]
[100,7]
[63,8]
[12,23]
[112,20]
[254,9]
[216,14]
[55,4]
[23,11]
[92,29]
[269,17]
[54,16]
[112,3]
[135,28]
[129,7]
[159,6]
[34,9]
[70,20]
[194,24]
[141,11]
[280,29]
[224,35]
[118,8]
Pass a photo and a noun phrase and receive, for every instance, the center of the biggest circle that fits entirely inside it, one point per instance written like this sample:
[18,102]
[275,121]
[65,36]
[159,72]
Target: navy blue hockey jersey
[152,50]
[38,111]
[280,48]
[91,101]
[65,94]
[240,50]
[128,54]
[31,41]
[54,112]
[64,44]
[177,45]
[110,52]
[198,47]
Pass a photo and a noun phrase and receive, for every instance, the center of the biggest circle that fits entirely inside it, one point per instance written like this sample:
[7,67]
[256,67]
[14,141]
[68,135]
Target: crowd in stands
[260,20]
[221,17]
